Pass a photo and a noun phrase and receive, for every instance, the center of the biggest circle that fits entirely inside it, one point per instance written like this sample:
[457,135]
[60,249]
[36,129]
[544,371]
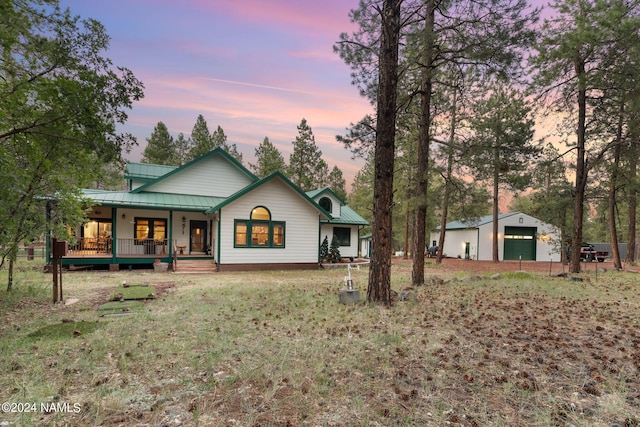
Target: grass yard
[278,349]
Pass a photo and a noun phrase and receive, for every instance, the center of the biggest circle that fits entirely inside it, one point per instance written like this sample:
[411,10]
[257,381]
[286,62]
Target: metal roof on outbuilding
[475,222]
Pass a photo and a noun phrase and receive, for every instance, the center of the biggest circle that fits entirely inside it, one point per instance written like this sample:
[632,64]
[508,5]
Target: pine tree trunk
[632,201]
[613,185]
[10,276]
[419,236]
[379,288]
[405,247]
[496,188]
[581,171]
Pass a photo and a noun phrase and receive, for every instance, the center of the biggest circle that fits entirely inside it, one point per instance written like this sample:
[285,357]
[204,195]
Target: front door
[198,237]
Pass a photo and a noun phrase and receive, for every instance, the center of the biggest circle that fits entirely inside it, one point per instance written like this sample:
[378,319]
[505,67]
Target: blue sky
[253,67]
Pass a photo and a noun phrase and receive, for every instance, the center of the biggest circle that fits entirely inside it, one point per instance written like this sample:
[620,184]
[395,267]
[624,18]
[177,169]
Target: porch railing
[89,246]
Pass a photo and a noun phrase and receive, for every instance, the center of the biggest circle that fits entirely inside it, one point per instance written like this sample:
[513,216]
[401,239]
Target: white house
[213,209]
[520,236]
[344,225]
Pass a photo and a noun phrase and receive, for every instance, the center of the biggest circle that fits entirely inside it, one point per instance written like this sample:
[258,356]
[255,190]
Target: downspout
[170,242]
[219,236]
[318,238]
[477,243]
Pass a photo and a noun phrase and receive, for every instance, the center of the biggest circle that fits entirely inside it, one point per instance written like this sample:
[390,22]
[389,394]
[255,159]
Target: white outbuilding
[520,237]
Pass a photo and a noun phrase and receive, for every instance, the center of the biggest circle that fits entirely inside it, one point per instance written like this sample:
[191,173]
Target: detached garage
[520,236]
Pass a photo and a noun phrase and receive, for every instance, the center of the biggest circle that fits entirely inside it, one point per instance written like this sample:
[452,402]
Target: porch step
[195,266]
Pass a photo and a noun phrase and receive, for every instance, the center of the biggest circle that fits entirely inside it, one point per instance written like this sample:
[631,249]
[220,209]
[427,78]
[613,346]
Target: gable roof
[475,222]
[315,193]
[146,171]
[347,215]
[215,152]
[262,181]
[152,174]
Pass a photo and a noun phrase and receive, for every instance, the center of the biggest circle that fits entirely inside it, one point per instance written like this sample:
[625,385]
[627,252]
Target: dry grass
[278,349]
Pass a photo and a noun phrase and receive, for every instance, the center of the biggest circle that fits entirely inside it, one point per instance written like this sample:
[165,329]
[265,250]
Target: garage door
[520,242]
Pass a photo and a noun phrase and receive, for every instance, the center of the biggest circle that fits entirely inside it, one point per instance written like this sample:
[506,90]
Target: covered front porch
[126,237]
[120,253]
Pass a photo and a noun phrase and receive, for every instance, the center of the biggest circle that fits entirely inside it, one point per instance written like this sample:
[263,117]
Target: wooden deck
[127,252]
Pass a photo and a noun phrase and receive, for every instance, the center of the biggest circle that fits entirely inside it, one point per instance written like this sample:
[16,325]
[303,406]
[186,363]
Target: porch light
[124,216]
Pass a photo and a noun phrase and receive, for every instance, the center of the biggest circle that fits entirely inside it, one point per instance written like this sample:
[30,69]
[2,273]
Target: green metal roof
[146,171]
[183,202]
[139,198]
[348,216]
[256,184]
[475,222]
[314,193]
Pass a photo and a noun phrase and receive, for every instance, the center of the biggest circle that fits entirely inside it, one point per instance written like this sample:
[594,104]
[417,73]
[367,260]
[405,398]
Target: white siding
[212,176]
[345,251]
[485,241]
[481,239]
[545,251]
[135,184]
[454,242]
[301,226]
[365,247]
[335,204]
[181,236]
[125,228]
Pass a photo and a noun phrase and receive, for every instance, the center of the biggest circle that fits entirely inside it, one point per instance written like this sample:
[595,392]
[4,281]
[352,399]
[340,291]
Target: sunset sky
[253,67]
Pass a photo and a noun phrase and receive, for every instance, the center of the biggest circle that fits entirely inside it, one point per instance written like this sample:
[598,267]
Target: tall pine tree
[160,149]
[201,141]
[337,183]
[502,145]
[305,160]
[268,159]
[182,149]
[219,139]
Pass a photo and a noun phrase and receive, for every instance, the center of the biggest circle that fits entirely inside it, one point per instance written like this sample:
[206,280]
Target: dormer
[327,200]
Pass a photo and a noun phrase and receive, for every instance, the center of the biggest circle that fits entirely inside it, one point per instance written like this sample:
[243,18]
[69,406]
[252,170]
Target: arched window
[259,231]
[260,212]
[325,203]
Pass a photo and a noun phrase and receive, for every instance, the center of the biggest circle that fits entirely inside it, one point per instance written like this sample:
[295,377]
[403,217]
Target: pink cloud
[255,68]
[327,17]
[249,112]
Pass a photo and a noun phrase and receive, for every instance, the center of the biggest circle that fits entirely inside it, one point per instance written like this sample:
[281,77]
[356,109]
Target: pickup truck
[589,253]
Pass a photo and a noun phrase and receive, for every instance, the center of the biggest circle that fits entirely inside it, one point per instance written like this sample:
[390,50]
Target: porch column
[170,236]
[114,239]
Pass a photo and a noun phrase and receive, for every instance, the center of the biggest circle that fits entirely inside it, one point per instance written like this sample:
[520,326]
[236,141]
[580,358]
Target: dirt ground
[455,264]
[251,350]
